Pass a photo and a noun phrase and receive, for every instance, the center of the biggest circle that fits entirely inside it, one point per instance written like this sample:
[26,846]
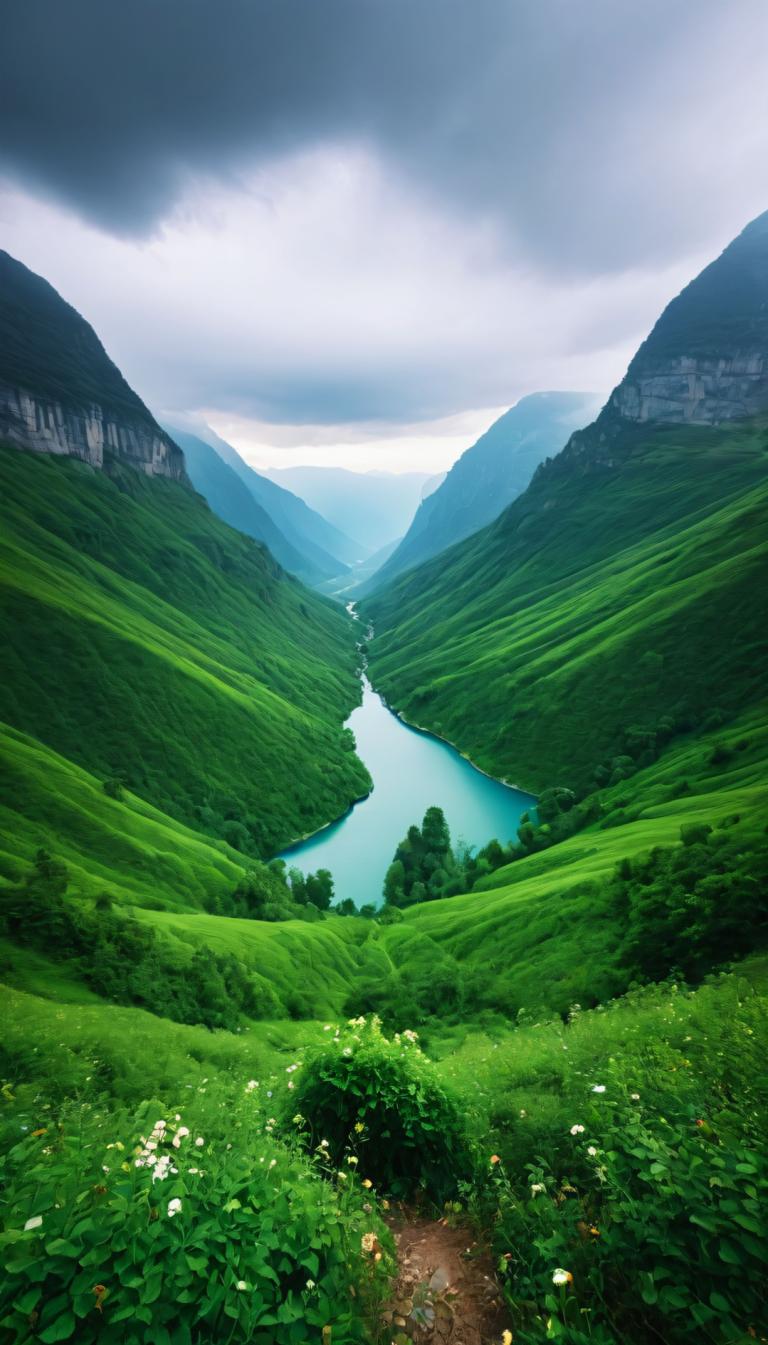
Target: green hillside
[156,648]
[602,602]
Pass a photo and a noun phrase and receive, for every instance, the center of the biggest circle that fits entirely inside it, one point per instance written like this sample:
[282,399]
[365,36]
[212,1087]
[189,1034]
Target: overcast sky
[353,231]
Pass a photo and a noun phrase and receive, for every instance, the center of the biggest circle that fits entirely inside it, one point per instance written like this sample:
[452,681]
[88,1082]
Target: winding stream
[411,770]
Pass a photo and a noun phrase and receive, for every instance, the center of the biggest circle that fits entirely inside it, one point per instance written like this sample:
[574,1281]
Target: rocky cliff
[48,426]
[59,390]
[704,363]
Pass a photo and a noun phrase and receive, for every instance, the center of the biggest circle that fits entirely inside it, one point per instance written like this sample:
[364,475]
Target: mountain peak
[706,359]
[59,390]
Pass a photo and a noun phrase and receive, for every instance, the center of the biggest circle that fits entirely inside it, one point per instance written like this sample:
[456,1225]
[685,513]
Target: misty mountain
[374,507]
[489,475]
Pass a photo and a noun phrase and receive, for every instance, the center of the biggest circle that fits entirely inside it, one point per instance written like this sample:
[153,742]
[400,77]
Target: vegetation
[378,1100]
[190,1225]
[583,611]
[156,648]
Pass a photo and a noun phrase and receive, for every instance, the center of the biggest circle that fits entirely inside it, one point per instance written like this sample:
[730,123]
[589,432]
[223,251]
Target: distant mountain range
[488,476]
[374,507]
[304,543]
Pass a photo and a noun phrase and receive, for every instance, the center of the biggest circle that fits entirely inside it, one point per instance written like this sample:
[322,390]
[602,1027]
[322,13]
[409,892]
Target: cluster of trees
[122,958]
[269,892]
[424,866]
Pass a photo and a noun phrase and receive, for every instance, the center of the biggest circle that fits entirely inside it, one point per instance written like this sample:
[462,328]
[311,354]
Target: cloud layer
[334,211]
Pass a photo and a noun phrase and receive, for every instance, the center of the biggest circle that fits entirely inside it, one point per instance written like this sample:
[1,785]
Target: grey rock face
[47,426]
[690,390]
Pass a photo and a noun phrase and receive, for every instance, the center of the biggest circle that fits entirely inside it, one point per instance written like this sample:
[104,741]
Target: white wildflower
[577,1130]
[174,1207]
[598,1088]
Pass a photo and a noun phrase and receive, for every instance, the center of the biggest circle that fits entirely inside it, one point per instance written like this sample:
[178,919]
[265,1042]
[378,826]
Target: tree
[394,884]
[320,889]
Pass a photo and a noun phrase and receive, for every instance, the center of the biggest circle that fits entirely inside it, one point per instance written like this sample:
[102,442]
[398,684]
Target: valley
[222,1086]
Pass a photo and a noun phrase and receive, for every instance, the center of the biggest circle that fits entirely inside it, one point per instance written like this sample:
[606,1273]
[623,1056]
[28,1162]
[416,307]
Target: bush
[123,1229]
[381,1099]
[659,1217]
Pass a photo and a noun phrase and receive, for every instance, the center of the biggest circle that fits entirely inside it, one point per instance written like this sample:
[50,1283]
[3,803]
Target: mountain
[624,592]
[323,545]
[375,507]
[60,391]
[158,665]
[488,476]
[230,498]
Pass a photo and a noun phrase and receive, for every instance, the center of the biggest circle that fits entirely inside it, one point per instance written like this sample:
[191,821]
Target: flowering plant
[379,1098]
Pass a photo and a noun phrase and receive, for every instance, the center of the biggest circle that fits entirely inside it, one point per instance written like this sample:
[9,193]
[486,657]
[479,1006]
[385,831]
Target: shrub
[381,1099]
[125,1229]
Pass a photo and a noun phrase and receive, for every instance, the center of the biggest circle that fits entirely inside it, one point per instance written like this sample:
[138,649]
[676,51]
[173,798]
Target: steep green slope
[153,645]
[488,477]
[600,601]
[229,497]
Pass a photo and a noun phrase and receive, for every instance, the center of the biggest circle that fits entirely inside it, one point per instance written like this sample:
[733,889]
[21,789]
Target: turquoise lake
[411,771]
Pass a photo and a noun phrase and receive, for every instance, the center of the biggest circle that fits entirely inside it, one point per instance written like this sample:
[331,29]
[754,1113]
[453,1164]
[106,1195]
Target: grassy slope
[539,934]
[152,641]
[604,598]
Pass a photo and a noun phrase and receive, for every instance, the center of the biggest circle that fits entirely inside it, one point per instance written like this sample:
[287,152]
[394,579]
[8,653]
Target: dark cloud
[601,133]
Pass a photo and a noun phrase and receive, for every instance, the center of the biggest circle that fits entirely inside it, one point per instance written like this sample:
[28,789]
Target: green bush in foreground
[186,1228]
[381,1098]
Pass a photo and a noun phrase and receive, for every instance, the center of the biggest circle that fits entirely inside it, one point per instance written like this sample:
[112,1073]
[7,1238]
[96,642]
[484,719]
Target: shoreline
[409,724]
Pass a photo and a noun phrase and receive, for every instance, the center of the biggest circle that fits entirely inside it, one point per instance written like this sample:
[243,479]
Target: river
[411,770]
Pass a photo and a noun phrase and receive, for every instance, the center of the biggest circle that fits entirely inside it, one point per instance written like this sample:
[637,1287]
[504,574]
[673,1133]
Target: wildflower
[241,1286]
[34,1222]
[273,1162]
[368,1242]
[347,1050]
[290,1083]
[323,1144]
[635,1097]
[359,1127]
[594,1230]
[352,1160]
[251,1084]
[174,1207]
[537,1188]
[506,1338]
[199,1141]
[384,1203]
[327,1027]
[523,1113]
[342,1176]
[561,1277]
[598,1088]
[577,1130]
[367,1183]
[311,1285]
[193,1172]
[269,1092]
[592,1151]
[495,1159]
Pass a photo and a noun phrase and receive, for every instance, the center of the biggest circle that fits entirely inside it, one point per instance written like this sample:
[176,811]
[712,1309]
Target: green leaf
[61,1329]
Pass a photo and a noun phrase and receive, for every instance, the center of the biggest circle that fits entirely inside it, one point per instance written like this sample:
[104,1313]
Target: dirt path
[446,1291]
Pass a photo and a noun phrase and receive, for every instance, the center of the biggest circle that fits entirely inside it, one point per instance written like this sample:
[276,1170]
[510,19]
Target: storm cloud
[452,201]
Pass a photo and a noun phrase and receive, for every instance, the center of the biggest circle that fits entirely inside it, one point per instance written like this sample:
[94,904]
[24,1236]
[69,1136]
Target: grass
[154,645]
[590,607]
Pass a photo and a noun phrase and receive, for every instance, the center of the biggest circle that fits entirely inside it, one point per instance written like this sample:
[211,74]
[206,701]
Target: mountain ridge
[59,390]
